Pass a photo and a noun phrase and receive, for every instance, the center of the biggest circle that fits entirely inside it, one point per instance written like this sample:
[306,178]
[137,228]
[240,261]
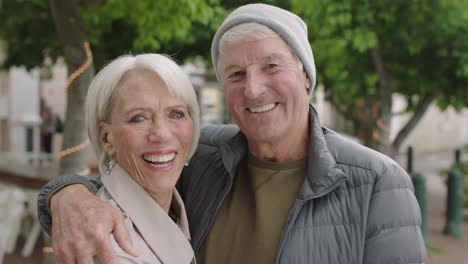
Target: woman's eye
[137,118]
[176,114]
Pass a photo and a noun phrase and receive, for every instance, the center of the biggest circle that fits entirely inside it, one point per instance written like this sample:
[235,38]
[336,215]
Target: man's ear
[106,138]
[307,80]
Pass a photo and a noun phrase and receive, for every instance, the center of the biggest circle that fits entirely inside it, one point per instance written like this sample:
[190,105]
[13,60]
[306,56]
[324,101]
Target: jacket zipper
[292,217]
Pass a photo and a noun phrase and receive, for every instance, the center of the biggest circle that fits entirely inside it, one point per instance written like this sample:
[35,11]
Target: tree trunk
[372,120]
[383,116]
[71,32]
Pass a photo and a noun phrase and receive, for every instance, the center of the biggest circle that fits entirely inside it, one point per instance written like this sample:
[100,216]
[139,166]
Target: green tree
[112,27]
[368,50]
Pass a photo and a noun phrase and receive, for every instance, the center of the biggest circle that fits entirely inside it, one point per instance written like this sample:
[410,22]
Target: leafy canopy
[423,44]
[114,27]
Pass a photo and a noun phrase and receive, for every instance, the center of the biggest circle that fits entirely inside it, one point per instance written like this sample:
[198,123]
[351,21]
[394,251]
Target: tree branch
[413,121]
[379,64]
[399,113]
[344,111]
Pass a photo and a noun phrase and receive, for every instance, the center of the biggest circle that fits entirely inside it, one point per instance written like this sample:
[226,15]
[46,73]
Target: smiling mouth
[160,161]
[263,108]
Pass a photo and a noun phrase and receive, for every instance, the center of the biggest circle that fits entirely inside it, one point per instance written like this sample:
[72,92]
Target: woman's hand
[81,225]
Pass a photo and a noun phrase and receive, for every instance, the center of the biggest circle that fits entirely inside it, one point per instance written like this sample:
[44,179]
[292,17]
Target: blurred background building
[20,117]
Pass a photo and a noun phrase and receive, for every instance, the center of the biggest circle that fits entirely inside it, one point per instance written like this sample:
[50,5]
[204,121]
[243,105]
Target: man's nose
[254,84]
[159,131]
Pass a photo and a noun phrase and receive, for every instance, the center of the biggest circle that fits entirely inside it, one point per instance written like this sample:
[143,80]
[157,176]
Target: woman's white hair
[249,32]
[101,93]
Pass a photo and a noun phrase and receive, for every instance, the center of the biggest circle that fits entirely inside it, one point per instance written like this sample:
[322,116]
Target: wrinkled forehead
[262,51]
[281,45]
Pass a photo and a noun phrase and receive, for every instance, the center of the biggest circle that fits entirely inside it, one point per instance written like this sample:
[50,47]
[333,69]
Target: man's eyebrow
[272,56]
[268,57]
[229,67]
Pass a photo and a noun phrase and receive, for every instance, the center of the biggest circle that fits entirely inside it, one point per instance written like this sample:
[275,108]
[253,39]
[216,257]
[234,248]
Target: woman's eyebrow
[133,109]
[178,106]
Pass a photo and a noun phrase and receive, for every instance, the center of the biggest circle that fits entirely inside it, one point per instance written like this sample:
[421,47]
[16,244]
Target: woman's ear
[106,138]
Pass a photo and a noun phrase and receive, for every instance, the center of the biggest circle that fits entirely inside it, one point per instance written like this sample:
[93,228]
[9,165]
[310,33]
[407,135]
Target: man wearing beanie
[278,187]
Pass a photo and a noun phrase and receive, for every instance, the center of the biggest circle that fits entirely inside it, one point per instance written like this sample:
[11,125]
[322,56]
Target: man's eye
[176,114]
[236,74]
[137,118]
[272,65]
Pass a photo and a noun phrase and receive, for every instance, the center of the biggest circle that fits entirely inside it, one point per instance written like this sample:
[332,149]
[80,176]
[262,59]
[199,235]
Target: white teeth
[160,165]
[159,158]
[261,109]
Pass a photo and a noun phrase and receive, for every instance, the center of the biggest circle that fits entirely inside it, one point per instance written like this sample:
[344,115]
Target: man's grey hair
[101,95]
[250,31]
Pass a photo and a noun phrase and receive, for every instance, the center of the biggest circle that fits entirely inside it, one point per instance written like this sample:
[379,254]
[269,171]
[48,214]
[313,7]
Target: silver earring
[110,163]
[186,164]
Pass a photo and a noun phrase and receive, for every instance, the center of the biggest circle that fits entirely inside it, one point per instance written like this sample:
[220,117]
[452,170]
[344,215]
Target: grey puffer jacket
[355,205]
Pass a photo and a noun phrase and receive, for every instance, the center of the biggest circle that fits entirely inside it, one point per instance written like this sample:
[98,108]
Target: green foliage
[423,45]
[29,34]
[180,28]
[114,28]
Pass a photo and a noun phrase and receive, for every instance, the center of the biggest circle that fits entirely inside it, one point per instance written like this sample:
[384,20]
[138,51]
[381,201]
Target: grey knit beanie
[288,25]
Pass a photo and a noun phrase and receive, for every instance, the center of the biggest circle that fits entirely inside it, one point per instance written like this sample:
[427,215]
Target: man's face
[265,89]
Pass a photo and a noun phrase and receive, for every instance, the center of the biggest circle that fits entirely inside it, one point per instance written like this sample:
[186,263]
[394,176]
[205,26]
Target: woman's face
[150,131]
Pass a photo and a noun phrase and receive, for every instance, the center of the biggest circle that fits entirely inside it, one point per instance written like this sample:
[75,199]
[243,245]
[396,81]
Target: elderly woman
[143,122]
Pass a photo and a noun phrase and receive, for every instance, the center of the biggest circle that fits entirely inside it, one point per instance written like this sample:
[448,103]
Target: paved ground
[442,249]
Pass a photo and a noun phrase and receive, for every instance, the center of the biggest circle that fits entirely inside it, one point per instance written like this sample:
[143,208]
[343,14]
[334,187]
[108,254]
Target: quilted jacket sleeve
[55,185]
[393,233]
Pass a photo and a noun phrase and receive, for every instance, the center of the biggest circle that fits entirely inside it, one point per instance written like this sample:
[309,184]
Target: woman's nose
[159,131]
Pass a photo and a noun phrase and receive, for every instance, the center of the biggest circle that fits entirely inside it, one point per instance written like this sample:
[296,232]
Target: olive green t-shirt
[249,224]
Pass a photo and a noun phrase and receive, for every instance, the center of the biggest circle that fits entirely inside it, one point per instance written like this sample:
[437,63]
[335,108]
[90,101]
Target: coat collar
[323,175]
[168,241]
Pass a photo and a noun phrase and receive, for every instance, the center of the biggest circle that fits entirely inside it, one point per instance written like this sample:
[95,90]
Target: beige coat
[155,235]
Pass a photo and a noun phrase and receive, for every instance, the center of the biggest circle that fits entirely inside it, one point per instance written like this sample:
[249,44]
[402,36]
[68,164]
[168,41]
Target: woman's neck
[164,200]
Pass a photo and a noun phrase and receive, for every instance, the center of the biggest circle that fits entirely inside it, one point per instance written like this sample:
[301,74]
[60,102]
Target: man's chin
[262,136]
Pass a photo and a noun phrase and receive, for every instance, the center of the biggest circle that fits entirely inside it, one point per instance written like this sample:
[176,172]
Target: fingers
[84,257]
[122,236]
[85,260]
[81,228]
[62,257]
[106,253]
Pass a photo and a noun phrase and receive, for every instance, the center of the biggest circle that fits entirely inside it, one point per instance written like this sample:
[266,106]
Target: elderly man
[283,189]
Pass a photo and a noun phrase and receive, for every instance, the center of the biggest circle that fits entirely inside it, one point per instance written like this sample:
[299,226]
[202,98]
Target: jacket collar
[233,152]
[323,175]
[168,241]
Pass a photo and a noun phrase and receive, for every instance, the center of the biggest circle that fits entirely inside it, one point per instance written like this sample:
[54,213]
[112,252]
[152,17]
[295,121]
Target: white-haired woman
[143,122]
